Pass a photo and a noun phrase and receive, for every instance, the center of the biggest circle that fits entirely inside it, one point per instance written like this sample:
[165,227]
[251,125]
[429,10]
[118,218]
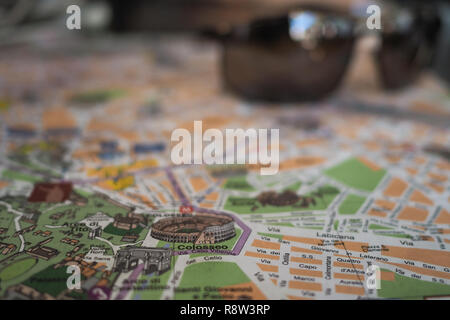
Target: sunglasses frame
[387,61]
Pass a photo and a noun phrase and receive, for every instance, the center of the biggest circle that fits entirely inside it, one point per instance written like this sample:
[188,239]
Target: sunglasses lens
[398,60]
[299,57]
[407,47]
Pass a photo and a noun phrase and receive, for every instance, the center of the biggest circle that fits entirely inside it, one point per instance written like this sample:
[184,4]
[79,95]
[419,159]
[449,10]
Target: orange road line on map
[198,183]
[359,291]
[377,213]
[143,199]
[344,256]
[412,171]
[168,185]
[302,285]
[369,164]
[443,218]
[418,196]
[306,260]
[348,276]
[58,118]
[424,271]
[413,214]
[305,272]
[123,194]
[437,257]
[348,265]
[426,238]
[348,132]
[300,162]
[310,142]
[162,198]
[419,160]
[298,249]
[266,244]
[393,159]
[212,196]
[437,177]
[232,292]
[387,275]
[351,245]
[261,255]
[372,145]
[395,188]
[267,267]
[274,281]
[303,240]
[435,187]
[291,297]
[385,204]
[444,165]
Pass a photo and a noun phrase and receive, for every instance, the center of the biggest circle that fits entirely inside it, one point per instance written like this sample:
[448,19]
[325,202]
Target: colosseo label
[199,247]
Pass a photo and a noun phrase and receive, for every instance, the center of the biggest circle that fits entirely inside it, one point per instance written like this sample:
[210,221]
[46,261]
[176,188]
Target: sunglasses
[303,54]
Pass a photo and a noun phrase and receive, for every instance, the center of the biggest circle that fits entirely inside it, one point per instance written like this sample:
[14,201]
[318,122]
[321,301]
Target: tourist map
[92,207]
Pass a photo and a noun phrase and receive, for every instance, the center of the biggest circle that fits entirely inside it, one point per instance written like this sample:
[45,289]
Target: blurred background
[98,106]
[221,24]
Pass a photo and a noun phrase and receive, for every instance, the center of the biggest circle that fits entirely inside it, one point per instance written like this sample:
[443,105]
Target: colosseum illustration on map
[199,229]
[87,182]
